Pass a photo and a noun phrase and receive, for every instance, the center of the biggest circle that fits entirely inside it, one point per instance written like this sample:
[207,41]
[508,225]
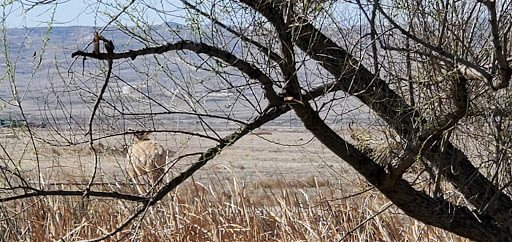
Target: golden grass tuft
[274,209]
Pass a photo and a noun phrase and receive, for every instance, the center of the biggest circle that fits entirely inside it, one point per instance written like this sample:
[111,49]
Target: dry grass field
[276,184]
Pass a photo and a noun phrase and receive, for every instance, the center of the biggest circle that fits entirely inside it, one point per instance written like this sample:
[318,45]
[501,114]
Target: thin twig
[388,205]
[110,53]
[40,193]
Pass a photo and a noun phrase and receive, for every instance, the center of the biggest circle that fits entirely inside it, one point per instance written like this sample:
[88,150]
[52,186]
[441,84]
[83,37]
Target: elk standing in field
[147,159]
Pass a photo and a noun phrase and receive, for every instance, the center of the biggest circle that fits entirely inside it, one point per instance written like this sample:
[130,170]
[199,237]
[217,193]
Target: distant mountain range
[55,88]
[52,92]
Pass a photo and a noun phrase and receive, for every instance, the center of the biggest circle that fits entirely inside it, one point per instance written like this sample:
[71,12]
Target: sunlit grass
[271,209]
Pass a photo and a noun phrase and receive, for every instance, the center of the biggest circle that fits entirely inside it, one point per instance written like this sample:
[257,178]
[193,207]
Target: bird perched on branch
[109,45]
[96,44]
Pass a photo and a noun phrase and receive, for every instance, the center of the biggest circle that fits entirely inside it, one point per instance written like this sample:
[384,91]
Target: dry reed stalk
[234,212]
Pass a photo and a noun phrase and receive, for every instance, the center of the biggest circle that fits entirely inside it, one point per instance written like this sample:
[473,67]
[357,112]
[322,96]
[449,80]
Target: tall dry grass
[272,209]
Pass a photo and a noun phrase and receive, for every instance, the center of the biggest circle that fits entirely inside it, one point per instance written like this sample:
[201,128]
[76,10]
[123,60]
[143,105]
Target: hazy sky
[76,13]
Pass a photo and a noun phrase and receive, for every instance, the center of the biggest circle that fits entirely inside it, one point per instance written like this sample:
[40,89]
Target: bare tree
[434,78]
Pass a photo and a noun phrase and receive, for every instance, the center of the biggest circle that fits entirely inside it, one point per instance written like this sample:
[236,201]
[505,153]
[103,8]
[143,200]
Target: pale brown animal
[147,159]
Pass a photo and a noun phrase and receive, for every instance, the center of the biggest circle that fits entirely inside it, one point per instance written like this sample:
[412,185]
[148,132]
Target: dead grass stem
[273,209]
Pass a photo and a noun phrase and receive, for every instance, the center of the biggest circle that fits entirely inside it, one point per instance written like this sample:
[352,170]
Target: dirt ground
[269,154]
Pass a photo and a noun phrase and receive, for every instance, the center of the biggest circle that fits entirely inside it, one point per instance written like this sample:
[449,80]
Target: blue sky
[73,13]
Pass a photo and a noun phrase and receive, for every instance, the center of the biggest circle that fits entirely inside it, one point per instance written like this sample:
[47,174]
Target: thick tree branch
[292,90]
[417,204]
[199,48]
[354,79]
[504,70]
